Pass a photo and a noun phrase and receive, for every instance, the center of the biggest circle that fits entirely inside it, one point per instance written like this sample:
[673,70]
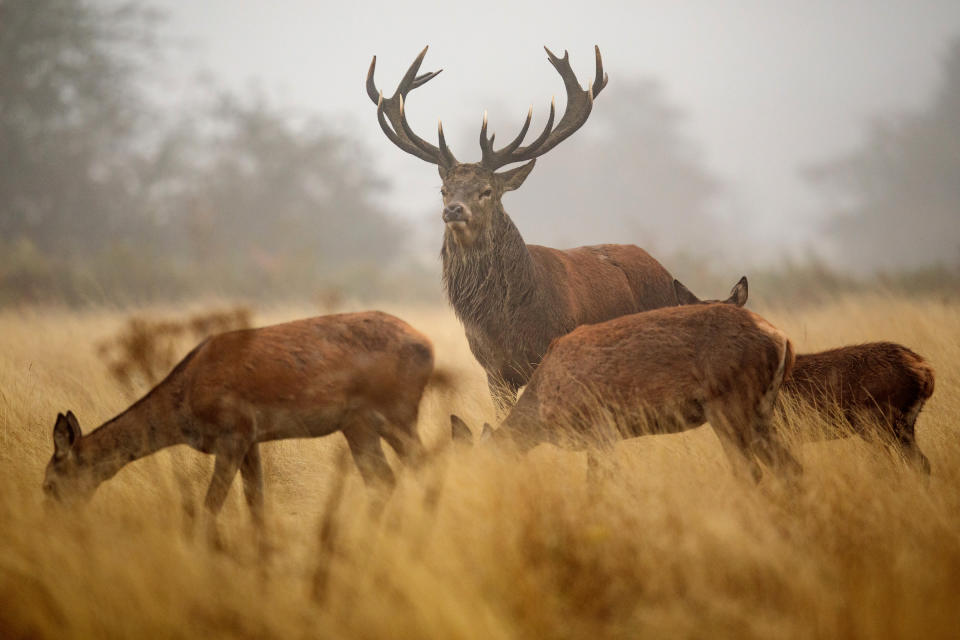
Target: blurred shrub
[146,348]
[121,274]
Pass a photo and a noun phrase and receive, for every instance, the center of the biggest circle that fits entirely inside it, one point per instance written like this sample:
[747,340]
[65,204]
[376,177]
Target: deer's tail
[924,375]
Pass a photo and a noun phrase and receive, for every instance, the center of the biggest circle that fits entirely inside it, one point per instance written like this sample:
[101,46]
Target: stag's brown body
[360,373]
[874,385]
[514,298]
[661,371]
[878,384]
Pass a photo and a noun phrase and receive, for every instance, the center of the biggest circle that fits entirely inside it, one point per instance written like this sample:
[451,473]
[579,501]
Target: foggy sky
[766,87]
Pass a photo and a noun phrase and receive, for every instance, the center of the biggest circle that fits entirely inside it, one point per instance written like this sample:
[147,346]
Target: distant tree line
[102,196]
[896,199]
[107,196]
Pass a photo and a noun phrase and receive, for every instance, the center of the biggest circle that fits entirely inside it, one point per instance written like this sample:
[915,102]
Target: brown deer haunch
[874,385]
[514,298]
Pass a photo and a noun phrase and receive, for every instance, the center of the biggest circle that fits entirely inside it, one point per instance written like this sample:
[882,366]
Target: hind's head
[738,294]
[68,478]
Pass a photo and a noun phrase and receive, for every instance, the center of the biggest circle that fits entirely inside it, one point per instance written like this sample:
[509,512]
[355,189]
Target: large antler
[398,130]
[579,104]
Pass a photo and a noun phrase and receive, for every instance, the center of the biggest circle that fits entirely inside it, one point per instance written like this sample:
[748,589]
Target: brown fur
[514,298]
[661,371]
[360,373]
[878,384]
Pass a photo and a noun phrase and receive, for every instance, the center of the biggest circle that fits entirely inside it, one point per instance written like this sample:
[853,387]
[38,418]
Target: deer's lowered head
[472,191]
[68,477]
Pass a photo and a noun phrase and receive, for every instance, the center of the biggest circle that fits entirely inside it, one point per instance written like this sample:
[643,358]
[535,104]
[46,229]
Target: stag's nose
[455,212]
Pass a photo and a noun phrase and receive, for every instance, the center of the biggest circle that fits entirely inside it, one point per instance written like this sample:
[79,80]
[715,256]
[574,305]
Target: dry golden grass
[473,546]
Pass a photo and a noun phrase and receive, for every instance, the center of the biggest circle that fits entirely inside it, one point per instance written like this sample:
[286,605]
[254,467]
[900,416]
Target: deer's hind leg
[746,431]
[735,440]
[362,430]
[251,471]
[398,426]
[904,427]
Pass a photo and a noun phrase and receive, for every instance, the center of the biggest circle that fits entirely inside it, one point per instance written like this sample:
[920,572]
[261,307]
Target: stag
[656,372]
[360,373]
[877,388]
[513,298]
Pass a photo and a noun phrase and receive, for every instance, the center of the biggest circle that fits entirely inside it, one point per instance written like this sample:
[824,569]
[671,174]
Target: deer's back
[600,282]
[667,356]
[866,376]
[316,361]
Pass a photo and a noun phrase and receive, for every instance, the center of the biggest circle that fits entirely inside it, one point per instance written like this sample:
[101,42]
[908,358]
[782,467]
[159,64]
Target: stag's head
[472,192]
[67,478]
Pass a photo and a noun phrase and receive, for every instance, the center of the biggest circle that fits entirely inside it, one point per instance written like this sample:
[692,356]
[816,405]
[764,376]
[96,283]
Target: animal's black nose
[454,213]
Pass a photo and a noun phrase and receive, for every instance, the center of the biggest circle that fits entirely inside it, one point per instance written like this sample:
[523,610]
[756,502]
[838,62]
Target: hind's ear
[486,433]
[66,434]
[738,295]
[684,295]
[459,431]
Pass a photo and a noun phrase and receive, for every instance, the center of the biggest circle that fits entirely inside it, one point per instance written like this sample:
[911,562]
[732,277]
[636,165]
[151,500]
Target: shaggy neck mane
[493,275]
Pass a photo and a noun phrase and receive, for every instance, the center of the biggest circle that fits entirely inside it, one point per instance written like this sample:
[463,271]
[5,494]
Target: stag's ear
[66,434]
[684,295]
[738,295]
[512,179]
[459,431]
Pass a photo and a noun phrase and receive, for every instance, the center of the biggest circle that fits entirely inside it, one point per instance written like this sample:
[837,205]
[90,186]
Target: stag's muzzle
[455,213]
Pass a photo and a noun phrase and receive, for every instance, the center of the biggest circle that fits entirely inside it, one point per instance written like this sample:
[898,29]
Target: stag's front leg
[503,394]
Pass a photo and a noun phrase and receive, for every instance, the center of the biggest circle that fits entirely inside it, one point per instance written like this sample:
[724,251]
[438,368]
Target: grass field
[473,546]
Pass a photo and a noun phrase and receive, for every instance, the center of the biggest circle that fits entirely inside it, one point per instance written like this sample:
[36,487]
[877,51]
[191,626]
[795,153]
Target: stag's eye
[486,194]
[443,192]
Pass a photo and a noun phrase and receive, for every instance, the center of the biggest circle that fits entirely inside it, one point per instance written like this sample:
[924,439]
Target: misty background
[161,150]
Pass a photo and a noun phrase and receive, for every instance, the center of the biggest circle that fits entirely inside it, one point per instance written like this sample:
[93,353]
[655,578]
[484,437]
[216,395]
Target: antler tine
[372,91]
[392,110]
[546,131]
[520,136]
[444,149]
[403,143]
[490,157]
[422,144]
[424,78]
[600,79]
[579,106]
[410,78]
[486,144]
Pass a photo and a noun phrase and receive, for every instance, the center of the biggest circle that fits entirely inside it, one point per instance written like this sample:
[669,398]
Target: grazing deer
[514,298]
[660,371]
[874,385]
[358,373]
